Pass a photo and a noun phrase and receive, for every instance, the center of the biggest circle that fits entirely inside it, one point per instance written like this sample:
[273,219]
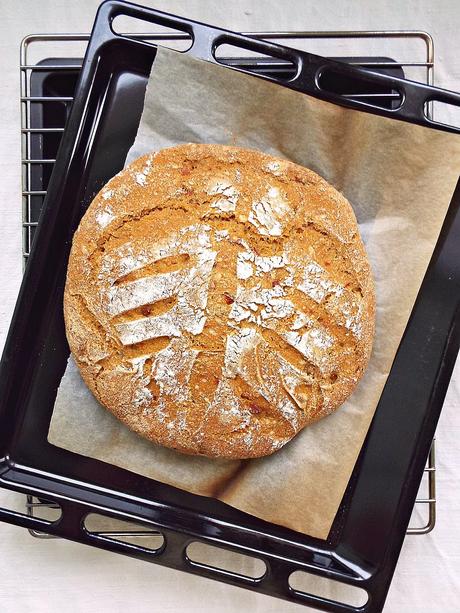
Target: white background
[55,575]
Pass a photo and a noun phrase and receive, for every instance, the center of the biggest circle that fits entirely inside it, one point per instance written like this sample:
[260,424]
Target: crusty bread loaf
[219,299]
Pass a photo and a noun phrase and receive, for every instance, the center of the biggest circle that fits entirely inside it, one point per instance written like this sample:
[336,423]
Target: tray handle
[414,97]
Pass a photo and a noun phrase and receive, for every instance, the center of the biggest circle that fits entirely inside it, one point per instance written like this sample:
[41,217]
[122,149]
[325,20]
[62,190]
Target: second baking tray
[363,545]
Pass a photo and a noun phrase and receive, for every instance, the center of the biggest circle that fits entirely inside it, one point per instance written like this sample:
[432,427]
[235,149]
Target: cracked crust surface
[219,299]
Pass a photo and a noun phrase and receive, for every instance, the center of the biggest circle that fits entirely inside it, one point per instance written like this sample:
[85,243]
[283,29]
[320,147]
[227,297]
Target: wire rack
[338,44]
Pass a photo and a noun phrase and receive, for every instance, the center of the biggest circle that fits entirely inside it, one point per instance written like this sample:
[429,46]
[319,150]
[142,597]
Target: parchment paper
[399,179]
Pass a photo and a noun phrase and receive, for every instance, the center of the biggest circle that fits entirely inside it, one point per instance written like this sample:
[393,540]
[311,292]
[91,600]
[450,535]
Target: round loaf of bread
[219,299]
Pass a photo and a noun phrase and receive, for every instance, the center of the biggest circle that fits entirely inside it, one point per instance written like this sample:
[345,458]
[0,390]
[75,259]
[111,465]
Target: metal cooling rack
[425,505]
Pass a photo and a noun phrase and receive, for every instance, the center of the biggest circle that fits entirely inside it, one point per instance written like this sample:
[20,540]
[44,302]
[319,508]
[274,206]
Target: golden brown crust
[219,299]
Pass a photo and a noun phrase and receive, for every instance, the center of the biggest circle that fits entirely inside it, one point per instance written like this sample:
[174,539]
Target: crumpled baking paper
[399,179]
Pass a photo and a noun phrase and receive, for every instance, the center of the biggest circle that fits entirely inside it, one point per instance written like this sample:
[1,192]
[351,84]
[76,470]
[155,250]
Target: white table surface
[56,575]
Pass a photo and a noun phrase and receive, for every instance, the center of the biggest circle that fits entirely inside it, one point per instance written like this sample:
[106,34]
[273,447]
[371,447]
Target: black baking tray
[364,542]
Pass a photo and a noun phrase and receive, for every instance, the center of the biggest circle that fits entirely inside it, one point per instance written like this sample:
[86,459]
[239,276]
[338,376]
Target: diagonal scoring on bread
[168,264]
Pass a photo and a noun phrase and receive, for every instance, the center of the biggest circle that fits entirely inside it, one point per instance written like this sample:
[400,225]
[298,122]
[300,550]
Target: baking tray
[363,545]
